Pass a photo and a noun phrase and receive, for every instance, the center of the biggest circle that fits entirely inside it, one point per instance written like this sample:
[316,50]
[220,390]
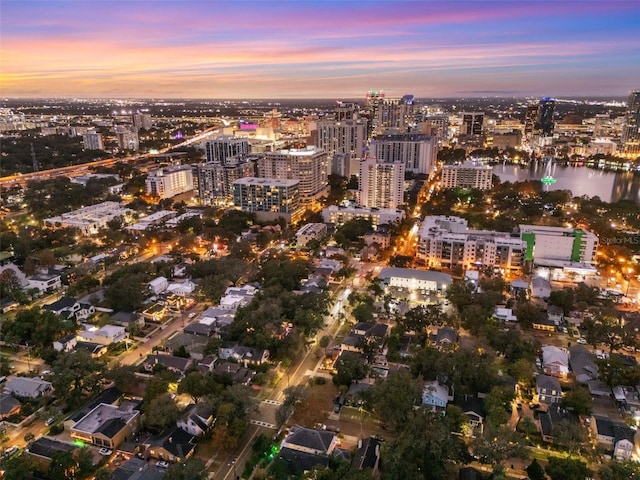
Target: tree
[498,444]
[191,469]
[63,466]
[75,374]
[562,298]
[395,397]
[614,470]
[324,342]
[18,468]
[567,469]
[535,471]
[579,400]
[124,377]
[162,412]
[198,386]
[350,367]
[412,454]
[496,404]
[569,434]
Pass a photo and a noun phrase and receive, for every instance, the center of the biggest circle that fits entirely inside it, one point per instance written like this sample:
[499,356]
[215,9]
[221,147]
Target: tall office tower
[394,113]
[346,111]
[268,198]
[371,104]
[223,147]
[531,117]
[346,137]
[127,139]
[92,141]
[141,120]
[169,182]
[418,152]
[472,123]
[308,165]
[545,120]
[631,131]
[215,181]
[381,184]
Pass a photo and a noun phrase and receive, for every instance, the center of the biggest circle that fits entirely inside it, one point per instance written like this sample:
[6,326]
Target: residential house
[381,238]
[445,338]
[582,363]
[235,372]
[617,436]
[43,449]
[64,306]
[137,469]
[173,363]
[556,314]
[544,323]
[8,405]
[435,396]
[539,288]
[128,320]
[105,335]
[107,425]
[66,343]
[555,361]
[45,282]
[504,314]
[518,287]
[26,387]
[96,350]
[196,420]
[598,388]
[548,389]
[553,419]
[240,353]
[201,329]
[158,285]
[109,396]
[627,397]
[308,440]
[473,409]
[182,289]
[469,473]
[367,455]
[176,445]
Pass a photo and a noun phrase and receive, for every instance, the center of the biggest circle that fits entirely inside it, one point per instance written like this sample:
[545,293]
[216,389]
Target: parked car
[50,421]
[582,340]
[162,464]
[105,452]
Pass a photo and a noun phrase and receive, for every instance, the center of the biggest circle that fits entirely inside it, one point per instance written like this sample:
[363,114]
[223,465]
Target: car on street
[582,341]
[50,421]
[162,464]
[105,452]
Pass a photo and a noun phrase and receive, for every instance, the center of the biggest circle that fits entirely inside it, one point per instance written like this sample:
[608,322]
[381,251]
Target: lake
[609,186]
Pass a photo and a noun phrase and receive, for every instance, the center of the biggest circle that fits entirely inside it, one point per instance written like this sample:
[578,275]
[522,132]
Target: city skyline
[318,50]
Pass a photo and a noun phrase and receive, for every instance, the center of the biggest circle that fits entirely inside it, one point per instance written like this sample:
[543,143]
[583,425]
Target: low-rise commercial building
[89,220]
[340,214]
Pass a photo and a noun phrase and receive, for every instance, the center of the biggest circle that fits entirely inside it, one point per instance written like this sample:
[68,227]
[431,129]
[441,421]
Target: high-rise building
[381,185]
[141,120]
[472,123]
[437,125]
[372,102]
[345,137]
[631,130]
[268,198]
[223,147]
[170,181]
[531,117]
[92,141]
[418,152]
[127,139]
[307,165]
[545,120]
[346,111]
[467,175]
[215,180]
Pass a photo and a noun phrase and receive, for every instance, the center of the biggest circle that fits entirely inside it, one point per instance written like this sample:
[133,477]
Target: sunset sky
[317,49]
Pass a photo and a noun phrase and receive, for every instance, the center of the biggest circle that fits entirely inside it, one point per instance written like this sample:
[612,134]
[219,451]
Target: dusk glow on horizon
[322,49]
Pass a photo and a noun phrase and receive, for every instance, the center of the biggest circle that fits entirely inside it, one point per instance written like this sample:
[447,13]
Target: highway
[84,168]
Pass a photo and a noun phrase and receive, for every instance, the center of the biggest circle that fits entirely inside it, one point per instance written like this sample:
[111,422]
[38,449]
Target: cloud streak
[320,49]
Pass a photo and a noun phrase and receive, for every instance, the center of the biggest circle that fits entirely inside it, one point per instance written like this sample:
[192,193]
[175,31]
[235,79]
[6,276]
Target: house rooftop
[309,438]
[106,419]
[47,447]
